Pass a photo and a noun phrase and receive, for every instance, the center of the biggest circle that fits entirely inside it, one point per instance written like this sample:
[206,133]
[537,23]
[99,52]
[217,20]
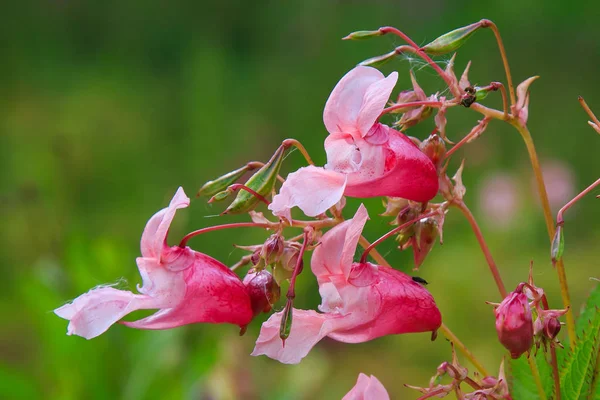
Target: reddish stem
[432,394]
[484,247]
[559,216]
[238,186]
[474,132]
[423,55]
[291,294]
[589,112]
[436,104]
[363,258]
[486,23]
[554,358]
[190,235]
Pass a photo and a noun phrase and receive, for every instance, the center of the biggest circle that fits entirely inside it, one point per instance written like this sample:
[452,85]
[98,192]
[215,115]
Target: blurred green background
[107,107]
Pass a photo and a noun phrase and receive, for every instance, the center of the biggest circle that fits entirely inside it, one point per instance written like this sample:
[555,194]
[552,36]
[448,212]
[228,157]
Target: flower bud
[272,249]
[551,328]
[286,321]
[289,258]
[255,258]
[558,245]
[514,324]
[434,147]
[393,206]
[262,289]
[363,35]
[426,232]
[211,188]
[262,182]
[451,41]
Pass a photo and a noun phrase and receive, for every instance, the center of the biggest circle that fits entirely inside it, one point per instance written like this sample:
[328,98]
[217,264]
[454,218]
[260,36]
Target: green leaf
[522,384]
[579,366]
[588,312]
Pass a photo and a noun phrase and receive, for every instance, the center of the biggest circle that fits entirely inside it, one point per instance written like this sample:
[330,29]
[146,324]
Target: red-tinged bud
[289,258]
[551,328]
[435,148]
[263,290]
[255,258]
[426,232]
[393,206]
[514,324]
[272,249]
[488,382]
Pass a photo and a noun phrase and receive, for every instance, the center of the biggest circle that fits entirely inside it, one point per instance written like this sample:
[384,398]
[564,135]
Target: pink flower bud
[272,249]
[434,147]
[514,324]
[263,290]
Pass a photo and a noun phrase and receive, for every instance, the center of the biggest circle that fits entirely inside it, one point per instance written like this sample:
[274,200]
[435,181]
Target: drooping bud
[514,324]
[551,328]
[272,249]
[434,147]
[426,232]
[255,258]
[263,290]
[262,182]
[558,245]
[451,41]
[363,35]
[211,188]
[289,258]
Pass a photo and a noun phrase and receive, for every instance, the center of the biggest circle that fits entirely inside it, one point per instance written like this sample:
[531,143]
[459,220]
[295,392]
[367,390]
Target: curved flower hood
[364,157]
[360,302]
[186,286]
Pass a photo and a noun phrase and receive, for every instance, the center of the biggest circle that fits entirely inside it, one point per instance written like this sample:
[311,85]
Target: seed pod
[378,61]
[451,41]
[363,35]
[262,182]
[263,290]
[286,321]
[211,188]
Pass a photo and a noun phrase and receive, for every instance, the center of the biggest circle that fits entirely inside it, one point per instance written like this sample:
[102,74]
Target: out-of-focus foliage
[106,107]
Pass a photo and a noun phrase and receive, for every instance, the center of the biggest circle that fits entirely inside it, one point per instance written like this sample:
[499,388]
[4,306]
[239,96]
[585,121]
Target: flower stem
[494,28]
[239,186]
[560,268]
[536,378]
[590,113]
[445,330]
[451,337]
[435,104]
[397,229]
[477,130]
[559,216]
[190,235]
[423,55]
[484,247]
[554,360]
[293,142]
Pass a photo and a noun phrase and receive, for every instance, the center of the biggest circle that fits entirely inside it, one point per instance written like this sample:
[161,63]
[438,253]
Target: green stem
[536,377]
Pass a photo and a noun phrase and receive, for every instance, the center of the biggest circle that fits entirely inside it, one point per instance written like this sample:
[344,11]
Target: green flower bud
[286,321]
[558,245]
[379,60]
[262,182]
[451,41]
[363,35]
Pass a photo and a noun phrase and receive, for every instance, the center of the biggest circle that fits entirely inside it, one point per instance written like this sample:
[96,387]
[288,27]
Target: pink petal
[336,253]
[367,388]
[409,174]
[356,157]
[92,313]
[312,189]
[308,328]
[353,104]
[213,294]
[374,102]
[155,233]
[161,283]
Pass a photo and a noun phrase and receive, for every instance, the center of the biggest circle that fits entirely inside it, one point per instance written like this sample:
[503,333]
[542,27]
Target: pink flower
[364,157]
[186,287]
[514,324]
[367,388]
[360,302]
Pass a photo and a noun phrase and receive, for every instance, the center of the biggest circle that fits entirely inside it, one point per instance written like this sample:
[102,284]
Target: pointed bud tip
[362,35]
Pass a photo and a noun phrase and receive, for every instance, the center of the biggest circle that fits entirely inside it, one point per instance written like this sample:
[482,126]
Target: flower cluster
[362,299]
